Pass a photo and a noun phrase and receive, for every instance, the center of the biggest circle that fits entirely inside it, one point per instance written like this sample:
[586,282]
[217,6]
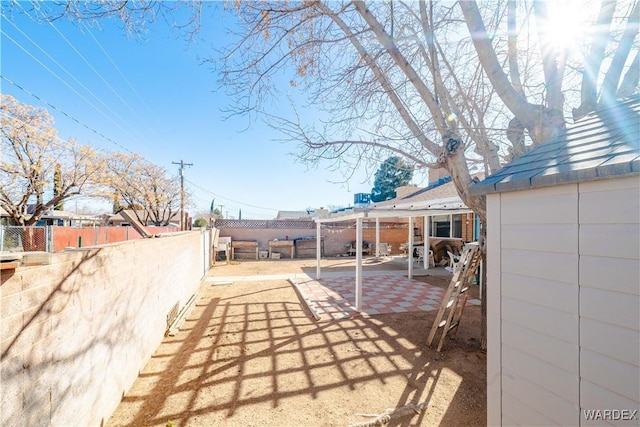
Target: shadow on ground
[249,354]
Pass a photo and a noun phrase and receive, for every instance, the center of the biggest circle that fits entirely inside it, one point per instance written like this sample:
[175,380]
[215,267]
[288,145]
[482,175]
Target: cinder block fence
[75,333]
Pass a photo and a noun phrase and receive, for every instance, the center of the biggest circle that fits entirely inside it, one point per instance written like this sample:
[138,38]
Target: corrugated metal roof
[605,143]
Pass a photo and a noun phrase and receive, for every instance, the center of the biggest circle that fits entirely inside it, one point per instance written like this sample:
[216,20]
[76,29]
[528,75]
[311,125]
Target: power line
[75,79]
[67,84]
[124,77]
[65,113]
[231,200]
[115,92]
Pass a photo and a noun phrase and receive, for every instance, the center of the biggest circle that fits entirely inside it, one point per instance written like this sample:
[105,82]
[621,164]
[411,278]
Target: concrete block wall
[75,333]
[336,239]
[263,236]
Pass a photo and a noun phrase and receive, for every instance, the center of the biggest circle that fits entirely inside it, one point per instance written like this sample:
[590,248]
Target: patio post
[410,253]
[427,243]
[358,265]
[377,237]
[318,248]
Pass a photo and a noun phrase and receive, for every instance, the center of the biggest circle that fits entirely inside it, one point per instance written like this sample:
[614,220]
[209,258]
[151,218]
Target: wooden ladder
[455,298]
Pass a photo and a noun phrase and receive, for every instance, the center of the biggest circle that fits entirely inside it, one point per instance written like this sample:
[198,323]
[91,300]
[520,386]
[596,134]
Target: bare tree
[544,120]
[134,183]
[32,154]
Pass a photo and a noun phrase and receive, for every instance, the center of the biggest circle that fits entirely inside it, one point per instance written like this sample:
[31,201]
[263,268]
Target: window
[440,226]
[447,226]
[456,227]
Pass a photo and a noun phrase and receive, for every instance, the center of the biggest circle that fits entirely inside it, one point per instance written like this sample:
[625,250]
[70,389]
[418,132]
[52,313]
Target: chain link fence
[58,238]
[25,239]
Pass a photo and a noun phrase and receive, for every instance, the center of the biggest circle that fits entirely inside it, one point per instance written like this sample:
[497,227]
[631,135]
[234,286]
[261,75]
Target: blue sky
[152,96]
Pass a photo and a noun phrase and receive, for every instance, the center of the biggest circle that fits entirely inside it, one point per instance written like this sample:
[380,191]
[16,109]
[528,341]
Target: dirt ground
[250,354]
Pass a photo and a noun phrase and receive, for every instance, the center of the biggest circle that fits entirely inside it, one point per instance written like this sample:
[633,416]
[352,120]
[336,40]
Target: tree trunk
[455,162]
[588,90]
[542,123]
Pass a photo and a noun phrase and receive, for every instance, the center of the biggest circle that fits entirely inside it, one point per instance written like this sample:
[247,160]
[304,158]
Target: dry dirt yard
[250,354]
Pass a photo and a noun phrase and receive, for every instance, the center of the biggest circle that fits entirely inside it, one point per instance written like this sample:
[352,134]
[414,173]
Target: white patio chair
[404,247]
[384,250]
[454,261]
[420,258]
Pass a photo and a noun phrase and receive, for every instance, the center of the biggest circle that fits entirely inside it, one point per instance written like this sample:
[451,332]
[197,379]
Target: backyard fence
[25,239]
[277,224]
[57,238]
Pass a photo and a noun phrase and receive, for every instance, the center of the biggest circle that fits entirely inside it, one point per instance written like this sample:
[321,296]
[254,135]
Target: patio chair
[454,261]
[384,250]
[420,258]
[404,248]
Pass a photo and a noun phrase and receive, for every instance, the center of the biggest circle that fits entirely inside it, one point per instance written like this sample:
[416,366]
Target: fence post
[48,238]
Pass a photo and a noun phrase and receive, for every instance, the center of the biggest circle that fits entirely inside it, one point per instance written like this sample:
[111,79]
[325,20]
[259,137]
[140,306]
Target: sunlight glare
[567,23]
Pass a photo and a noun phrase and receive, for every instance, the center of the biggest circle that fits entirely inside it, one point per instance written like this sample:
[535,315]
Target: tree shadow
[249,351]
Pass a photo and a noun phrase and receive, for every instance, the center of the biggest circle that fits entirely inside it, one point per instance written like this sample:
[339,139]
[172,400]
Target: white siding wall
[609,218]
[563,301]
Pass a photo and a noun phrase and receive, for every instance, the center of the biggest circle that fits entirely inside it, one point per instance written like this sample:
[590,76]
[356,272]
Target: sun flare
[567,23]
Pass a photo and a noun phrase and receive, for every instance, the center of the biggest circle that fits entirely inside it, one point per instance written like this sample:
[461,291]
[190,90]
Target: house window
[440,226]
[447,226]
[456,226]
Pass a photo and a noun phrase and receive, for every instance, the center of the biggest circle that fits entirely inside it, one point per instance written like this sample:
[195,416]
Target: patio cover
[377,214]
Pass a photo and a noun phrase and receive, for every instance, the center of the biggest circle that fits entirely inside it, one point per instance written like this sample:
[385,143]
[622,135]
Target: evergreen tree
[393,173]
[57,185]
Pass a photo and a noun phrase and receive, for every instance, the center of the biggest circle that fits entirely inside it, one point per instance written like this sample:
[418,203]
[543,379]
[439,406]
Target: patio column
[318,248]
[359,265]
[410,249]
[427,244]
[377,237]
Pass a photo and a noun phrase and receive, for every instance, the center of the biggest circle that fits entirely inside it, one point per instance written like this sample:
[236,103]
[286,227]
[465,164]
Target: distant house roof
[605,143]
[53,214]
[117,219]
[67,215]
[293,215]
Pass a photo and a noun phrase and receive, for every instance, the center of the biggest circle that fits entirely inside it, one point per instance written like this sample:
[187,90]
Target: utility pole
[221,211]
[181,169]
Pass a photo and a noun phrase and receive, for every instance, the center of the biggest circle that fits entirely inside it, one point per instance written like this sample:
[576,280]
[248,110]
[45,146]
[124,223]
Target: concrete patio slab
[334,297]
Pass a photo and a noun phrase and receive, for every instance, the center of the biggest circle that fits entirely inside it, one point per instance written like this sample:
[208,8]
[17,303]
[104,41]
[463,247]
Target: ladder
[455,298]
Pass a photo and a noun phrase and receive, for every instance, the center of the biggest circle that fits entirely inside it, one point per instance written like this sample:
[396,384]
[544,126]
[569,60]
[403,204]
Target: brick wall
[76,333]
[467,227]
